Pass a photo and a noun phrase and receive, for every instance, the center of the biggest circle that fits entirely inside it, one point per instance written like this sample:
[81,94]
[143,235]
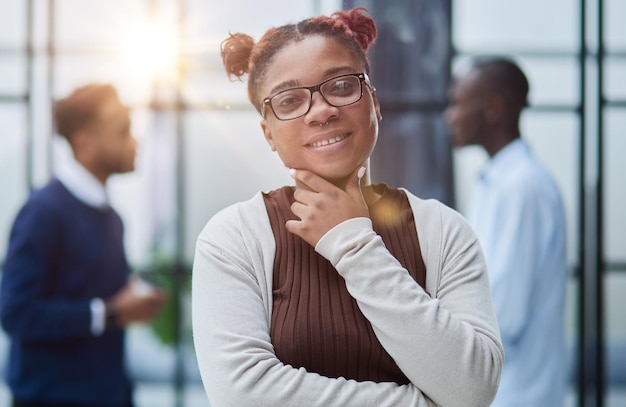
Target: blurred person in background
[335,291]
[518,215]
[66,294]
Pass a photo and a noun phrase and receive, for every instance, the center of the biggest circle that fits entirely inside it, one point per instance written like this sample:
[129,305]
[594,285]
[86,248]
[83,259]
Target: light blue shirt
[518,216]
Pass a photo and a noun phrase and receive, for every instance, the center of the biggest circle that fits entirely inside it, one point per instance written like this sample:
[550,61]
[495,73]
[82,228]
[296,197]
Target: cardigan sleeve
[449,345]
[27,309]
[231,325]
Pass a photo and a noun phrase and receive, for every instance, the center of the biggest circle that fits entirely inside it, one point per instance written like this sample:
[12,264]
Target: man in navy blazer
[66,293]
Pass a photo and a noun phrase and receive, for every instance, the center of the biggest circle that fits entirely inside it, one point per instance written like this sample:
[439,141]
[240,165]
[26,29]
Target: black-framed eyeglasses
[342,90]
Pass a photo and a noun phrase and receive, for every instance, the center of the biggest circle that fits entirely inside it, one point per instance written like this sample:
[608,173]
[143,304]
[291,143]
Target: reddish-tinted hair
[81,108]
[355,29]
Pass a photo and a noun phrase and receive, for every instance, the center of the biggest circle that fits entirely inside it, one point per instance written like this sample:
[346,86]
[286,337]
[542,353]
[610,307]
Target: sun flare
[151,51]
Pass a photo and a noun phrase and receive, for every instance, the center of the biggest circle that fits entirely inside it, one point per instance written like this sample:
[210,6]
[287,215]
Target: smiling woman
[334,291]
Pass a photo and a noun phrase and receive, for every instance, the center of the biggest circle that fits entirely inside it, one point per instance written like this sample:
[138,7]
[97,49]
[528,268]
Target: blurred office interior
[201,147]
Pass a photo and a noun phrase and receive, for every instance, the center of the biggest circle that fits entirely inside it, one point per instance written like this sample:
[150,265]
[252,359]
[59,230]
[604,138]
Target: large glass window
[202,146]
[545,38]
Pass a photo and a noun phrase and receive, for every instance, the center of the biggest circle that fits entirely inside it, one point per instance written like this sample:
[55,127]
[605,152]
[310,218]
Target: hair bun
[361,24]
[236,51]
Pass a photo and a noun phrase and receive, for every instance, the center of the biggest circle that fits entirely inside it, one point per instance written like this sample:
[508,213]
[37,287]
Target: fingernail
[361,172]
[292,172]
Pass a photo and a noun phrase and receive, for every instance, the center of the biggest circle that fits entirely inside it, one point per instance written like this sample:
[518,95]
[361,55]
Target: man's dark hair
[505,78]
[81,107]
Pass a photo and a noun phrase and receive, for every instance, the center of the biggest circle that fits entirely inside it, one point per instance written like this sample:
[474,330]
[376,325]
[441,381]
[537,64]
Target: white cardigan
[447,343]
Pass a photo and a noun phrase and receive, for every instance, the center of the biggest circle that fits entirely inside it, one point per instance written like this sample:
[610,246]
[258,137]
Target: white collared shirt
[86,188]
[83,184]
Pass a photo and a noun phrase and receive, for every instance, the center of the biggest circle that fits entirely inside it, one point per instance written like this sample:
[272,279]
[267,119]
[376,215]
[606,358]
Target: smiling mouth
[329,141]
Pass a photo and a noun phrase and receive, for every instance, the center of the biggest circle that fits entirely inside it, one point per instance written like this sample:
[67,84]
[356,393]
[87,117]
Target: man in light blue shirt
[518,216]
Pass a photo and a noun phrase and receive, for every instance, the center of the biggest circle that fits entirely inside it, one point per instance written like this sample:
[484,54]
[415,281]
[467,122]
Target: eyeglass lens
[339,91]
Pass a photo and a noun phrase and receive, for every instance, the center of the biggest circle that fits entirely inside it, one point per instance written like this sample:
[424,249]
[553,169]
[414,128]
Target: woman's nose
[321,111]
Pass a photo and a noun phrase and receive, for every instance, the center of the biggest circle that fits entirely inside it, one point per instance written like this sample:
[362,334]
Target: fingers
[320,205]
[135,303]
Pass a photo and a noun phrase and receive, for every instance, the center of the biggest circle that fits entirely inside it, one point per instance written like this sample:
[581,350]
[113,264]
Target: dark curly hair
[354,28]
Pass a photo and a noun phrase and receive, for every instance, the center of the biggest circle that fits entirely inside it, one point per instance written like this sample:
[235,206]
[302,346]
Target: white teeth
[330,141]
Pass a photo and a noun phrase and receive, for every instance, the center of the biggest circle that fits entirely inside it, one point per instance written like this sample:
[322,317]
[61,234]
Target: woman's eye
[341,87]
[288,100]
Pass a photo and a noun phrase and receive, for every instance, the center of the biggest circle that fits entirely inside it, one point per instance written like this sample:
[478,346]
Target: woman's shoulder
[242,223]
[431,210]
[439,224]
[444,235]
[235,217]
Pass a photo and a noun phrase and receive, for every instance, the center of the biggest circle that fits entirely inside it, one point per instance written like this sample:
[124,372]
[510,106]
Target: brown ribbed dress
[316,324]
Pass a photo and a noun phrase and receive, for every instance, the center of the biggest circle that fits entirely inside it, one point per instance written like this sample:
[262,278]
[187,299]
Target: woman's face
[329,141]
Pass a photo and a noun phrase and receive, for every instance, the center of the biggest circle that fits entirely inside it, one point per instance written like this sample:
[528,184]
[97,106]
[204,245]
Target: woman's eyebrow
[284,85]
[327,74]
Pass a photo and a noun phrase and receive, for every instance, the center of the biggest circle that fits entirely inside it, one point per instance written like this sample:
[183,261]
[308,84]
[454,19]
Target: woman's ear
[268,134]
[379,116]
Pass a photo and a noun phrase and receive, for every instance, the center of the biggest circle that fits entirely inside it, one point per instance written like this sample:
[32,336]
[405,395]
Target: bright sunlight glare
[150,50]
